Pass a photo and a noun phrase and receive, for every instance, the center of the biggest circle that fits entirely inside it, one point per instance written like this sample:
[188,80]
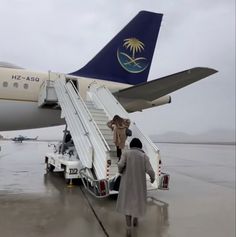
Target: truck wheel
[50,167]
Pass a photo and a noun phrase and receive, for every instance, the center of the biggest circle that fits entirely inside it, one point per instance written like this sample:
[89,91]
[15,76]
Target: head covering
[136,143]
[118,120]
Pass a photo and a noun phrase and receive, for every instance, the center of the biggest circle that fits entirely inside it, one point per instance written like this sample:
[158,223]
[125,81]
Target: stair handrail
[43,88]
[96,87]
[60,86]
[82,123]
[149,146]
[125,113]
[47,82]
[94,189]
[147,139]
[90,116]
[99,152]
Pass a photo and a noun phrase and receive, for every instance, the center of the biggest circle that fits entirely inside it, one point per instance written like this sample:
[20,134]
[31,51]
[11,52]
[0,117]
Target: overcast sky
[62,35]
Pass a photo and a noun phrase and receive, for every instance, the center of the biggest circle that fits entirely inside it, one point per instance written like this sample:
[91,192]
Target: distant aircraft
[21,138]
[122,66]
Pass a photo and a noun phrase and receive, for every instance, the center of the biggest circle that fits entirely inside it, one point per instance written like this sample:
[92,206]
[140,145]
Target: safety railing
[90,117]
[47,94]
[78,130]
[97,188]
[105,100]
[100,146]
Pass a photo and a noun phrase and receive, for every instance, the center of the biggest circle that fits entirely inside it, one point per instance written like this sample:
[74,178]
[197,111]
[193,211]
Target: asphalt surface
[200,202]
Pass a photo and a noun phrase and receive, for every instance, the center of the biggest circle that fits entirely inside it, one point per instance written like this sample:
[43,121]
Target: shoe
[135,221]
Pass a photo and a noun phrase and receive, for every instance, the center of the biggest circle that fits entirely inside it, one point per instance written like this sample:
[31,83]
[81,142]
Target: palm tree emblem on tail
[128,61]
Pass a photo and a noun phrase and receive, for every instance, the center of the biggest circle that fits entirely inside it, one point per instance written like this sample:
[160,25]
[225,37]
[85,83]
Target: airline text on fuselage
[26,78]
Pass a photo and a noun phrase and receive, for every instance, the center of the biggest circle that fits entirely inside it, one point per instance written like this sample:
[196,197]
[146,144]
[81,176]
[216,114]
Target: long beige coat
[134,164]
[119,132]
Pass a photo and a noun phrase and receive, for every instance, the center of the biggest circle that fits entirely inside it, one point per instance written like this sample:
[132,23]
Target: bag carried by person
[115,183]
[128,132]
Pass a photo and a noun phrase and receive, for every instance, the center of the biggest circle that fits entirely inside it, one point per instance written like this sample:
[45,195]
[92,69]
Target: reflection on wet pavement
[34,203]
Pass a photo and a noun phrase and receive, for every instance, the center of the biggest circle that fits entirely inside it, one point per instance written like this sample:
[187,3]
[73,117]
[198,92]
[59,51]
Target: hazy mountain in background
[213,136]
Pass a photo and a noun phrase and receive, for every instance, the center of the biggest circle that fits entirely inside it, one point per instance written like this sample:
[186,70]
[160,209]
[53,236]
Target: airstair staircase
[87,119]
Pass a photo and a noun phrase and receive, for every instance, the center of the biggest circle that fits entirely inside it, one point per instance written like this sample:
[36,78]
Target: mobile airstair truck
[92,157]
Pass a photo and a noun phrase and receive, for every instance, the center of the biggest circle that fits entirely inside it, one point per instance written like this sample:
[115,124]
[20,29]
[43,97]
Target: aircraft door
[74,81]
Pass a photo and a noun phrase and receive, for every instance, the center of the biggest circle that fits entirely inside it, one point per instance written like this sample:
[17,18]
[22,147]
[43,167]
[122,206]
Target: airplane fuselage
[19,90]
[124,62]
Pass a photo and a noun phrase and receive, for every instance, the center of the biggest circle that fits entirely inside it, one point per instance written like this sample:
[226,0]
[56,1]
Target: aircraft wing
[155,92]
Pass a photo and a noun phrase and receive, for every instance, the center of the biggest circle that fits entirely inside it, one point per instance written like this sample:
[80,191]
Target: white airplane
[122,66]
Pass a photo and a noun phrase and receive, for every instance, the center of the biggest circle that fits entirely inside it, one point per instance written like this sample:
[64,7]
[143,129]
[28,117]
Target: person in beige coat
[118,126]
[133,166]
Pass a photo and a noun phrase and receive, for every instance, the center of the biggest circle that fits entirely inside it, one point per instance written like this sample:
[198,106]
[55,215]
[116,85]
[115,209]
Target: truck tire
[50,167]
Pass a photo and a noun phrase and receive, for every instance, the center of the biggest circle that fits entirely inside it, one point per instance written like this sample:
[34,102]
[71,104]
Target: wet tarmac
[200,202]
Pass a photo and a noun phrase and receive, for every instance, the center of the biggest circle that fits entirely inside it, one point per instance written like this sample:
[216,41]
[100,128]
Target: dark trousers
[118,152]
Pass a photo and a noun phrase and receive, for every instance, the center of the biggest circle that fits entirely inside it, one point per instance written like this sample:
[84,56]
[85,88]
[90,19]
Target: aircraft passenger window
[5,84]
[15,84]
[26,86]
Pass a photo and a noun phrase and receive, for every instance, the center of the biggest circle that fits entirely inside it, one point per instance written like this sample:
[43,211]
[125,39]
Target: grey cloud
[63,35]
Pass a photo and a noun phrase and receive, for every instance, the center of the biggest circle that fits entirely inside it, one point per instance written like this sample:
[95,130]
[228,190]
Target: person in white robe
[132,196]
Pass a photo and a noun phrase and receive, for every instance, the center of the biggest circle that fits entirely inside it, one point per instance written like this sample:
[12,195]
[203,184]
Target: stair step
[106,131]
[97,111]
[102,122]
[110,141]
[89,102]
[103,117]
[103,126]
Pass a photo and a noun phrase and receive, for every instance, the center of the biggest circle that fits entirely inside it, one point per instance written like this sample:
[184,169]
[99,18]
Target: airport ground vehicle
[93,154]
